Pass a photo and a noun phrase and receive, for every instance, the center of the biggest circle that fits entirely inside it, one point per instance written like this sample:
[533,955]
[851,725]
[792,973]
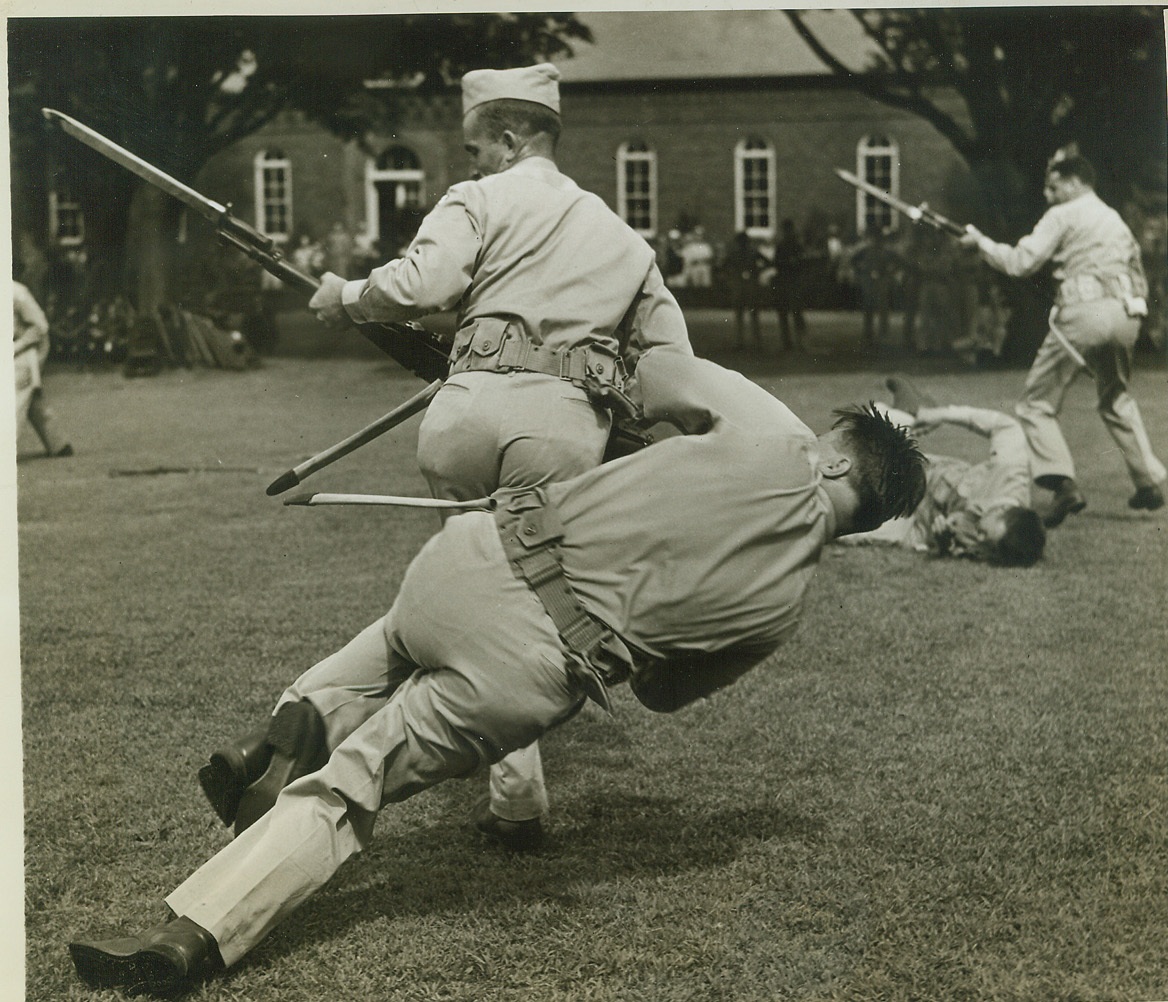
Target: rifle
[923,214]
[916,213]
[415,348]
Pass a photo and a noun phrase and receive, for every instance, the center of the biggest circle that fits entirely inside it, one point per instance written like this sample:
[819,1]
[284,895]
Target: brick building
[719,119]
[723,119]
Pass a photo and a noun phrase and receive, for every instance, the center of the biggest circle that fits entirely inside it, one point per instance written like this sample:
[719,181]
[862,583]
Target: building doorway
[394,196]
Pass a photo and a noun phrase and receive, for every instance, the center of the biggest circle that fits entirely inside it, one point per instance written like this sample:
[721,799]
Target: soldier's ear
[835,466]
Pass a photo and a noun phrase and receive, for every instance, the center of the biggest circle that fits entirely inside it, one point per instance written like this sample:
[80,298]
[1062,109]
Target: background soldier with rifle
[1093,325]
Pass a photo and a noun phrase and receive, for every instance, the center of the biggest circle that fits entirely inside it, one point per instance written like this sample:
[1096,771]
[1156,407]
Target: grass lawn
[952,784]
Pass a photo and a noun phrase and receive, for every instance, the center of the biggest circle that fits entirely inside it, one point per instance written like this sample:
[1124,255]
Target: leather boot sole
[123,963]
[296,735]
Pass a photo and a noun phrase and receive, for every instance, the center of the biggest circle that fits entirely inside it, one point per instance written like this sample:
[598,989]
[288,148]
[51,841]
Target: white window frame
[266,161]
[373,174]
[65,213]
[869,148]
[628,157]
[754,148]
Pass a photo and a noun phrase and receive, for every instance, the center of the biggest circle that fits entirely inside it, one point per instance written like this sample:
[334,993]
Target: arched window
[398,158]
[636,187]
[878,163]
[754,187]
[273,194]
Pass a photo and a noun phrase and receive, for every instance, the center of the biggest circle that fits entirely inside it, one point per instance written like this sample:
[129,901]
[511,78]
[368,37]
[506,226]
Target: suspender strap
[530,533]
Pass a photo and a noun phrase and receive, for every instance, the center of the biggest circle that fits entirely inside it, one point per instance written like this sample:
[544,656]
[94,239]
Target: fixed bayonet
[415,348]
[311,500]
[916,213]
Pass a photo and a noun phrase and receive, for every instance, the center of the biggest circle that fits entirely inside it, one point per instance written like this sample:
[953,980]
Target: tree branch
[909,99]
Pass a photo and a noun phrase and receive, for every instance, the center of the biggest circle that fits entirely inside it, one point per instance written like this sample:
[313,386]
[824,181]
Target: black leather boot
[296,737]
[232,769]
[163,960]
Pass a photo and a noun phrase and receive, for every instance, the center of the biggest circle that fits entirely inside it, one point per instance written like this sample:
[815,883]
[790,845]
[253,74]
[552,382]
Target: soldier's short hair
[524,118]
[1073,165]
[888,468]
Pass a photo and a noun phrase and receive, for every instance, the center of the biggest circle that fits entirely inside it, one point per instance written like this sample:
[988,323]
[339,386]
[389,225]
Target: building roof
[705,44]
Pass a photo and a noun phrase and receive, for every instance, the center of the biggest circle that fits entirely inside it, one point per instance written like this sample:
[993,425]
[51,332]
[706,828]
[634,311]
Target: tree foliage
[178,90]
[1030,80]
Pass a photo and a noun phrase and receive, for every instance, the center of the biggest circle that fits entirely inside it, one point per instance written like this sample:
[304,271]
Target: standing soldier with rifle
[554,293]
[1093,326]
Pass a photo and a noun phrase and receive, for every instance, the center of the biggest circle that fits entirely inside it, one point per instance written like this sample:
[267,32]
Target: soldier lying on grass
[976,510]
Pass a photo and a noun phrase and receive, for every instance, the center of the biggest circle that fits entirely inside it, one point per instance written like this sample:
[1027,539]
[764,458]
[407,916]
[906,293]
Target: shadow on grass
[445,869]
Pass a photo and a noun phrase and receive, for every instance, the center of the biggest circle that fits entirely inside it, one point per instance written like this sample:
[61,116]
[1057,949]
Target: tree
[1030,80]
[176,91]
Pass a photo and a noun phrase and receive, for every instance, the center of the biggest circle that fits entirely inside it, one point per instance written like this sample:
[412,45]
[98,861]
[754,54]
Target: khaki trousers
[476,670]
[1104,334]
[487,431]
[483,431]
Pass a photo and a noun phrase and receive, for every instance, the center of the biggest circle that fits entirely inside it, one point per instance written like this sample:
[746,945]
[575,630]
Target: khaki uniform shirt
[1085,238]
[955,487]
[30,327]
[526,244]
[706,541]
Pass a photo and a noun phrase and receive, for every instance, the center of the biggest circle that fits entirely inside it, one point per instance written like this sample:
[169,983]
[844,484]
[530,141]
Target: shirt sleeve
[433,273]
[34,325]
[669,684]
[693,394]
[1030,253]
[657,320]
[1007,439]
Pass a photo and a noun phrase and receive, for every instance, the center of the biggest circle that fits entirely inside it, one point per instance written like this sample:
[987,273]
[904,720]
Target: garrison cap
[524,83]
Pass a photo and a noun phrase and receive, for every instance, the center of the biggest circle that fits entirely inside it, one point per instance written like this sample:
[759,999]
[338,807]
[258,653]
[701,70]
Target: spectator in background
[307,255]
[698,260]
[838,269]
[913,252]
[984,346]
[365,257]
[876,265]
[937,311]
[964,278]
[33,265]
[30,347]
[338,251]
[1154,250]
[742,268]
[670,261]
[787,286]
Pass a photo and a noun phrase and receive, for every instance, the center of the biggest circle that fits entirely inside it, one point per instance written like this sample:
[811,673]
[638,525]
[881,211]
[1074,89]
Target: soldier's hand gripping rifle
[416,349]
